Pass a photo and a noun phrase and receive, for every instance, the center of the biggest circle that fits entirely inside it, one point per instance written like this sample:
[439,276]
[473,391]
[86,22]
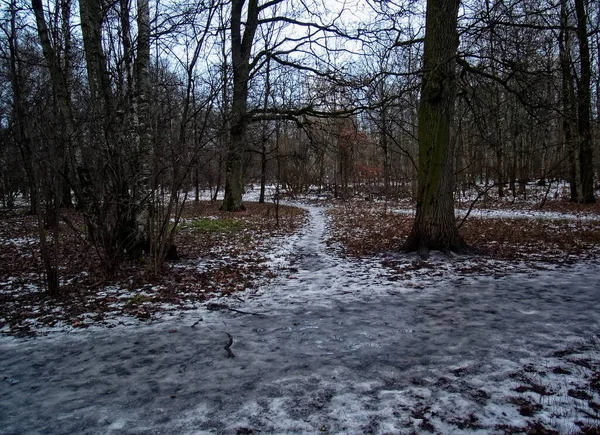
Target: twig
[227,347]
[217,307]
[546,195]
[483,192]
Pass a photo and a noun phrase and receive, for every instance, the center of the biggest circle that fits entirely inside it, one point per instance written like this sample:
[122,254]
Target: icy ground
[332,346]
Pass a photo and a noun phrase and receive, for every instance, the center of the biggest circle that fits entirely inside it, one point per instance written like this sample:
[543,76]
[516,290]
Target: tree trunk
[19,108]
[568,103]
[383,141]
[586,152]
[67,179]
[143,137]
[97,74]
[241,47]
[196,183]
[234,171]
[435,223]
[500,164]
[263,141]
[263,173]
[59,78]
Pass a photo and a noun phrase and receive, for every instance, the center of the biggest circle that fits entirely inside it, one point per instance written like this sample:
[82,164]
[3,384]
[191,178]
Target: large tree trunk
[586,152]
[435,223]
[234,170]
[241,47]
[568,102]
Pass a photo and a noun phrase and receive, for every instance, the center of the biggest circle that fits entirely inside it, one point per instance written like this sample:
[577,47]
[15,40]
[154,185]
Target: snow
[22,284]
[20,241]
[512,214]
[251,194]
[336,346]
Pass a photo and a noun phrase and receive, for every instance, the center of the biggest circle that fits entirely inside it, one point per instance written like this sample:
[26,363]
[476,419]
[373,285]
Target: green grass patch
[215,225]
[138,299]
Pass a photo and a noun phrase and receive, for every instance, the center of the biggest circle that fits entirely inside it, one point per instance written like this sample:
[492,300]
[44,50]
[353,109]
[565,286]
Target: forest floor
[333,331]
[220,254]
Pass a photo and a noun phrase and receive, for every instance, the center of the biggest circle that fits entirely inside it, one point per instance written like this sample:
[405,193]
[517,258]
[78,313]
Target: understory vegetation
[219,254]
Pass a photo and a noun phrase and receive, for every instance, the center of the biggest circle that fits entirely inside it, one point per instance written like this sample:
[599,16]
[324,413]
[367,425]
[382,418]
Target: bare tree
[586,151]
[435,223]
[242,39]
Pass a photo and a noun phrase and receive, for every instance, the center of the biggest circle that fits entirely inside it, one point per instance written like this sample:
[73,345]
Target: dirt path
[338,348]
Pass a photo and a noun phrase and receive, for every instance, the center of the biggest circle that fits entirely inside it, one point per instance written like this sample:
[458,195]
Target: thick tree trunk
[435,223]
[234,171]
[586,151]
[241,47]
[568,103]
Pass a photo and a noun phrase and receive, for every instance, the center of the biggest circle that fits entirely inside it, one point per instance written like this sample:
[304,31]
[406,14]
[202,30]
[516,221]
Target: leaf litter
[212,263]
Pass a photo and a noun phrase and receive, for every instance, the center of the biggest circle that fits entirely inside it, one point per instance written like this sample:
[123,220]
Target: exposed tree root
[423,245]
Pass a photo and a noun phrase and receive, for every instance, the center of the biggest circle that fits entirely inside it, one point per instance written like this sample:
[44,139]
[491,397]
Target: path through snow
[338,348]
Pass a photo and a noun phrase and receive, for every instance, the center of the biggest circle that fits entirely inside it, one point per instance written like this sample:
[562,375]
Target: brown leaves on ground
[362,229]
[535,239]
[214,260]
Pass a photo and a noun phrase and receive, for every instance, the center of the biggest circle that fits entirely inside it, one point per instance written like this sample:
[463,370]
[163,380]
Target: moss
[138,299]
[215,225]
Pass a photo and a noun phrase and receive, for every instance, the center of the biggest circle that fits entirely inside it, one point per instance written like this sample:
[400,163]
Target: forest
[225,164]
[126,112]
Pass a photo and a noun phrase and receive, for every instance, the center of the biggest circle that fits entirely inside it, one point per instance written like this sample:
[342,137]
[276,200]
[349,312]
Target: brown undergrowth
[220,253]
[363,229]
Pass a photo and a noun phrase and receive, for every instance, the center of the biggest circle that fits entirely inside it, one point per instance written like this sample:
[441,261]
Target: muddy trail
[331,346]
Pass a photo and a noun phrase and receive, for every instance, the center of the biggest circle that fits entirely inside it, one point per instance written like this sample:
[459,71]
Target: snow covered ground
[511,214]
[331,346]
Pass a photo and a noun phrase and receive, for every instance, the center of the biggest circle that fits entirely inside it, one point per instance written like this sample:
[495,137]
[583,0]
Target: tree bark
[241,47]
[60,87]
[143,149]
[19,108]
[586,152]
[435,223]
[142,73]
[263,138]
[568,103]
[97,74]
